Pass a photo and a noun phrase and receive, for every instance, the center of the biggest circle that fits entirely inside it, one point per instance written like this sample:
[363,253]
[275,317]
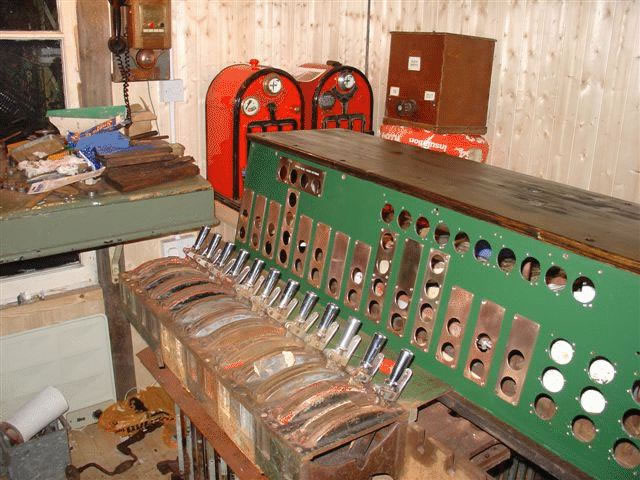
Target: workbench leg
[119,329]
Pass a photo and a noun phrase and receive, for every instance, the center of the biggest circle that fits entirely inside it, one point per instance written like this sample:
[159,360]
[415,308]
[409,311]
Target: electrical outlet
[171,91]
[174,246]
[86,416]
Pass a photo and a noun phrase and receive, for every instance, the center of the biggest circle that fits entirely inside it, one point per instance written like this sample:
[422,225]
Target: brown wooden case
[439,81]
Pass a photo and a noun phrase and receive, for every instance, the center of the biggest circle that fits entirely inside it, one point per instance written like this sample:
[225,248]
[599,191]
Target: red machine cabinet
[336,96]
[243,99]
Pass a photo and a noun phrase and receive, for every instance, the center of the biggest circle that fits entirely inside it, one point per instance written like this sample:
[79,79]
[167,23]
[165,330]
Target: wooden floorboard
[93,444]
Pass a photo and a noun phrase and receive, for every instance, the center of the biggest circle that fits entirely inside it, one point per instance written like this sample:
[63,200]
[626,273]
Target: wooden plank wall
[565,97]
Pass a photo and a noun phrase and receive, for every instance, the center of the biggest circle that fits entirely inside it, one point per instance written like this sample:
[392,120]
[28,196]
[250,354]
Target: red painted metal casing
[336,96]
[242,99]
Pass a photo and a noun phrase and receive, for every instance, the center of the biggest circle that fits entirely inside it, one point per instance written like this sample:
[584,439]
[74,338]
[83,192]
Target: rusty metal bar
[179,439]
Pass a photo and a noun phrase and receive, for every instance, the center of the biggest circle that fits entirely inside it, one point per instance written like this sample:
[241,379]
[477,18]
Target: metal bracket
[118,251]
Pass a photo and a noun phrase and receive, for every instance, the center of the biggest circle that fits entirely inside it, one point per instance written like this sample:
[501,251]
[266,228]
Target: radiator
[73,356]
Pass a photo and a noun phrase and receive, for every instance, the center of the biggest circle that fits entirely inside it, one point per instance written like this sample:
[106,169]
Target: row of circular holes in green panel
[591,400]
[304,181]
[555,278]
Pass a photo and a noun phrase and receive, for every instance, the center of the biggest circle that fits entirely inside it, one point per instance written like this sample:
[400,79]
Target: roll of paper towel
[38,412]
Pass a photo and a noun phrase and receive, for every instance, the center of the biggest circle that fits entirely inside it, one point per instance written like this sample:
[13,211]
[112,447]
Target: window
[48,275]
[37,53]
[28,15]
[31,83]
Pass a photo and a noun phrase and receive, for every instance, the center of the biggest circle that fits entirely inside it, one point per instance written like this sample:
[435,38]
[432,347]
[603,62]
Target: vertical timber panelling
[594,66]
[527,87]
[564,102]
[507,61]
[564,122]
[185,66]
[548,84]
[619,116]
[386,16]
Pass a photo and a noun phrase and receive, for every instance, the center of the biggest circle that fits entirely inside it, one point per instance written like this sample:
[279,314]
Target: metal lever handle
[213,244]
[374,348]
[202,234]
[241,259]
[224,256]
[269,285]
[403,361]
[289,292]
[254,273]
[308,302]
[352,328]
[328,317]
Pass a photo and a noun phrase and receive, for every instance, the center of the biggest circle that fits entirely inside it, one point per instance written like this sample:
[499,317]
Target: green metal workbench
[97,219]
[104,219]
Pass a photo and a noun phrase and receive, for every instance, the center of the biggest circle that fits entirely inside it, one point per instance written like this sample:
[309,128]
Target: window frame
[67,24]
[84,273]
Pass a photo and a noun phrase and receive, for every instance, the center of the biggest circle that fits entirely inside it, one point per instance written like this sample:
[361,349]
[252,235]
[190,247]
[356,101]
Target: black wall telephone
[140,41]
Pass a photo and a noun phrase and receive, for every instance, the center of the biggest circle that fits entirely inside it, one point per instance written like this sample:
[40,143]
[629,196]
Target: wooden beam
[94,57]
[124,374]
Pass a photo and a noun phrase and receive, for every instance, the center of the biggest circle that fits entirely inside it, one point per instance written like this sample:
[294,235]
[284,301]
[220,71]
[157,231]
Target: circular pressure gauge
[272,85]
[250,106]
[346,81]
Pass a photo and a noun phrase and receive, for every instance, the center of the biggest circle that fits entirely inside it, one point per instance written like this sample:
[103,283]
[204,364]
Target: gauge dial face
[346,81]
[272,85]
[250,106]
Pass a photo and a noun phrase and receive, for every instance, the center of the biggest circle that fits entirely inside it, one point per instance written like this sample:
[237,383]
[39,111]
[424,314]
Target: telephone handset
[118,46]
[117,43]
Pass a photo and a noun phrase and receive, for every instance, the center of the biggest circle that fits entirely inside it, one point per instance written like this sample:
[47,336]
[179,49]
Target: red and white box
[471,147]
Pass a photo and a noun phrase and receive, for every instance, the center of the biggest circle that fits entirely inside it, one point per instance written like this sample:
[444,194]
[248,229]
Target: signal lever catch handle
[327,328]
[392,387]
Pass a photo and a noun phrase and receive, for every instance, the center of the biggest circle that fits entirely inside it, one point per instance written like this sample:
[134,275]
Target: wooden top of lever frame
[590,224]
